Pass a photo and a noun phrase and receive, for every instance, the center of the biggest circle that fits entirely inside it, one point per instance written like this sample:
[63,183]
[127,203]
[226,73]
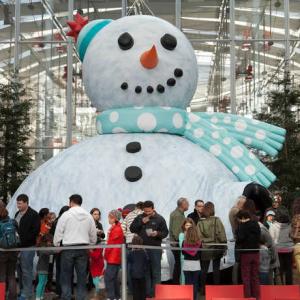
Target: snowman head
[137,61]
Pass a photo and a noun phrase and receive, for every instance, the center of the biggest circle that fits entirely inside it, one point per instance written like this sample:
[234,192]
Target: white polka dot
[214,120]
[163,130]
[215,135]
[251,155]
[247,141]
[227,120]
[198,132]
[260,134]
[146,122]
[193,118]
[250,170]
[215,149]
[235,169]
[99,127]
[236,151]
[188,126]
[240,125]
[166,107]
[119,130]
[114,116]
[255,122]
[177,120]
[227,140]
[138,107]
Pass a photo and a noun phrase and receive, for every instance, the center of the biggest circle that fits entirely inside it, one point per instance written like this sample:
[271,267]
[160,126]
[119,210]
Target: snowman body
[172,167]
[142,62]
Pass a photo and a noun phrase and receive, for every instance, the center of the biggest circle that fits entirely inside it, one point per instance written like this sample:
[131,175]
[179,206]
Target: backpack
[9,237]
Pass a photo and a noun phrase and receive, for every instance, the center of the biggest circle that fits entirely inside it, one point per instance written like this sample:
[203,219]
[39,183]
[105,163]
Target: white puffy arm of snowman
[143,61]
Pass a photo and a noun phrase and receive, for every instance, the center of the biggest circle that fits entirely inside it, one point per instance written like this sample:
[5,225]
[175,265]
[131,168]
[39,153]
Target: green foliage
[15,160]
[284,105]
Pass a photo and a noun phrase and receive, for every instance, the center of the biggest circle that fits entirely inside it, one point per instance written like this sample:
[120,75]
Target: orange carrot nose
[149,59]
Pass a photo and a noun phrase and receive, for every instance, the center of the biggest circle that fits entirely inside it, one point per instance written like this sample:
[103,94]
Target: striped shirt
[127,222]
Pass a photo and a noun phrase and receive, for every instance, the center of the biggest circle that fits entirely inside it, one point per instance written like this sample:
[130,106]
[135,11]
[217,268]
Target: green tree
[15,160]
[283,110]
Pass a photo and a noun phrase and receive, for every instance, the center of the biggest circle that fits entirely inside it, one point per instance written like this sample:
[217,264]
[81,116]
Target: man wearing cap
[113,256]
[76,227]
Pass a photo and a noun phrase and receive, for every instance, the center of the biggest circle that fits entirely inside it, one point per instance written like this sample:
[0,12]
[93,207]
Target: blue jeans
[264,278]
[112,284]
[26,273]
[69,260]
[153,275]
[192,278]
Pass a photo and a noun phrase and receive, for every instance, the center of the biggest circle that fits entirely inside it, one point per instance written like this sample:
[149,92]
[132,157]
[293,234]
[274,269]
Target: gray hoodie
[281,235]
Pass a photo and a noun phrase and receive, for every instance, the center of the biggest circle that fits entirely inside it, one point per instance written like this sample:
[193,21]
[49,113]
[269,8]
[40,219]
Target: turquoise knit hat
[88,32]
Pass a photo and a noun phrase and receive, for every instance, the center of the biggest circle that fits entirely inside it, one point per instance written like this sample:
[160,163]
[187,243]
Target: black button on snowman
[133,173]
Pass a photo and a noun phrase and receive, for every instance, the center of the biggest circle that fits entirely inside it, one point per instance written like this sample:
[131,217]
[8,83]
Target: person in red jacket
[96,267]
[113,256]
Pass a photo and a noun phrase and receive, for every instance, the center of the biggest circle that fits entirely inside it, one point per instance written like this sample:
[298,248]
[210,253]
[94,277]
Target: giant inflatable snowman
[141,73]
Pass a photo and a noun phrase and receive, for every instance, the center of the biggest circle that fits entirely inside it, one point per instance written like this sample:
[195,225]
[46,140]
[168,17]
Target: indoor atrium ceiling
[203,21]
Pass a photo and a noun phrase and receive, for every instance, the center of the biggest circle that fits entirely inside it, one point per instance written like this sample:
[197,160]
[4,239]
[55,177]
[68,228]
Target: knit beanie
[116,214]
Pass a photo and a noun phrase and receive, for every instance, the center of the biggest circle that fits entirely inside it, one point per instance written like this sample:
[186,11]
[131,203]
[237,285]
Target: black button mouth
[133,147]
[133,173]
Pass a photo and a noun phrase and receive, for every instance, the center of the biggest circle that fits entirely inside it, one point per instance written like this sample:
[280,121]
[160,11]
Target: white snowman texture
[172,167]
[106,66]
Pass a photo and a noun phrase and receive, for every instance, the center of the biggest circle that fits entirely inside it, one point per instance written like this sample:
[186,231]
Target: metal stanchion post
[124,272]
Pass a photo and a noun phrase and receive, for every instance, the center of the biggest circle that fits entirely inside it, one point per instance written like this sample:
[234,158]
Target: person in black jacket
[29,227]
[152,228]
[248,238]
[197,214]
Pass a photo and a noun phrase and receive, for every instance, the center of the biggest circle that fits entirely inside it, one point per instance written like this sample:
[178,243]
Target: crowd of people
[265,245]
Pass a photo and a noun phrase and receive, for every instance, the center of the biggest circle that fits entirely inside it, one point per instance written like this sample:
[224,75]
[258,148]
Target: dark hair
[3,213]
[63,210]
[243,214]
[296,206]
[95,209]
[249,206]
[148,204]
[282,215]
[23,197]
[137,240]
[209,209]
[43,212]
[76,199]
[197,201]
[140,205]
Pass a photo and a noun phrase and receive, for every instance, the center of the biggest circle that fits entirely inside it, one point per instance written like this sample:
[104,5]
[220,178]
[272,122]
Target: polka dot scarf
[223,135]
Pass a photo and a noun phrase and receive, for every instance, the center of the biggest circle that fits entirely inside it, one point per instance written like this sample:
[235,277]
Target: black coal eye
[168,41]
[125,41]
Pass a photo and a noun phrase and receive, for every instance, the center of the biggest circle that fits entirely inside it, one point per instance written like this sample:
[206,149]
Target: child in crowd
[45,223]
[96,267]
[138,261]
[264,265]
[280,232]
[113,256]
[191,257]
[248,239]
[43,265]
